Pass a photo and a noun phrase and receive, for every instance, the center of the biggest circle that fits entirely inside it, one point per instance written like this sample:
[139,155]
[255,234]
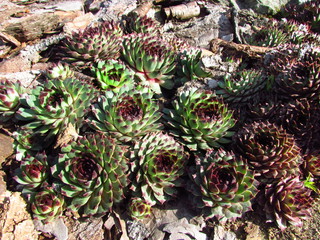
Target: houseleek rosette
[139,209]
[52,107]
[60,71]
[152,60]
[33,173]
[10,94]
[144,24]
[127,114]
[301,118]
[190,67]
[297,73]
[242,86]
[200,119]
[112,74]
[47,205]
[287,202]
[223,185]
[269,36]
[158,161]
[269,150]
[311,164]
[93,171]
[27,142]
[93,44]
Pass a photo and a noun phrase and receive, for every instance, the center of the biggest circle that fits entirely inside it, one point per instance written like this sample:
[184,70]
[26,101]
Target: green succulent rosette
[93,44]
[241,87]
[145,25]
[190,67]
[10,94]
[139,209]
[151,58]
[126,115]
[33,173]
[49,109]
[60,71]
[200,119]
[311,164]
[269,36]
[26,142]
[93,171]
[301,118]
[269,150]
[157,163]
[112,74]
[287,202]
[223,185]
[47,205]
[297,73]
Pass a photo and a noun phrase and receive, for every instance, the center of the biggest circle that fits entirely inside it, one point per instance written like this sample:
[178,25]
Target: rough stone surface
[90,229]
[266,6]
[15,221]
[56,228]
[27,78]
[5,147]
[112,10]
[221,234]
[200,31]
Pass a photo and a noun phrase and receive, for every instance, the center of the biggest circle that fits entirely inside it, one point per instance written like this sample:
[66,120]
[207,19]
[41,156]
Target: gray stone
[69,6]
[56,228]
[221,234]
[265,6]
[112,10]
[200,31]
[137,230]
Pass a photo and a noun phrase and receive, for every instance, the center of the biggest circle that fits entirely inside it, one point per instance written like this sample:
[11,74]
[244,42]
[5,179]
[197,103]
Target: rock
[8,8]
[112,10]
[15,64]
[56,228]
[265,6]
[32,27]
[15,221]
[254,232]
[79,23]
[137,230]
[26,78]
[221,234]
[200,31]
[69,6]
[3,185]
[5,147]
[90,229]
[182,229]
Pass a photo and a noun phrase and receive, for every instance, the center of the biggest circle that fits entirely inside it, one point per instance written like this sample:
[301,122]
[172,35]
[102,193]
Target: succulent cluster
[297,73]
[269,149]
[223,185]
[49,109]
[93,172]
[307,12]
[189,66]
[242,86]
[158,161]
[93,44]
[288,202]
[112,75]
[127,114]
[268,36]
[138,131]
[10,94]
[200,119]
[153,60]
